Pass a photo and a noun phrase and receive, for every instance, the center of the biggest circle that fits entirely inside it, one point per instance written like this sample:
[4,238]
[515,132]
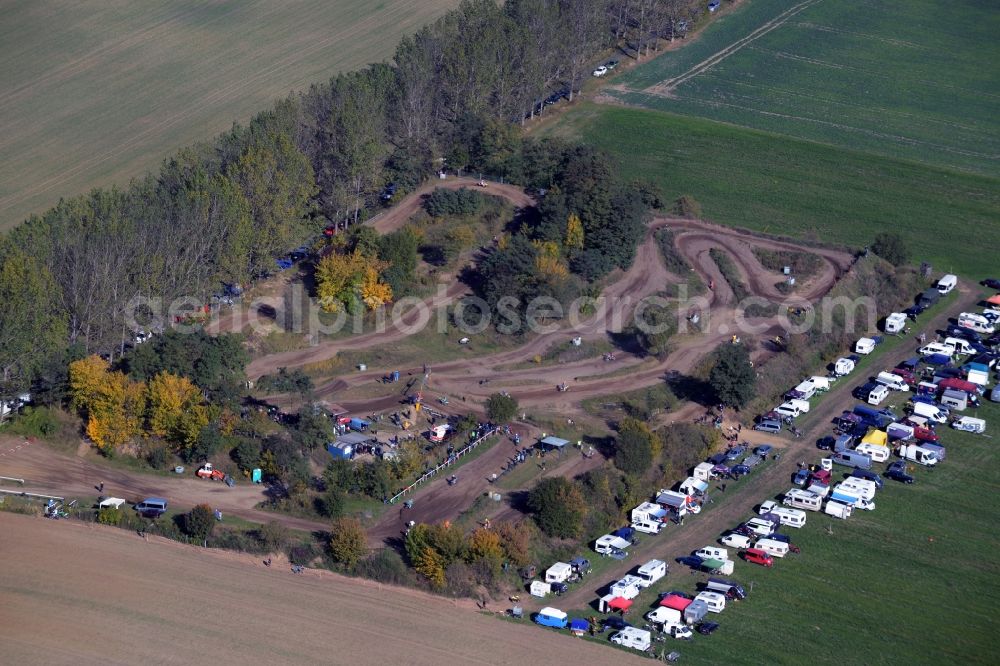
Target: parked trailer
[838,510]
[803,499]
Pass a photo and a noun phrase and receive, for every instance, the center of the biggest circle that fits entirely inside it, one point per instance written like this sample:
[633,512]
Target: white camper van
[803,499]
[947,283]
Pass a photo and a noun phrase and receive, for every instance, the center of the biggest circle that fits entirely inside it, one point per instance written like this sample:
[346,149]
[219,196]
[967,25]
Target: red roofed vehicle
[675,601]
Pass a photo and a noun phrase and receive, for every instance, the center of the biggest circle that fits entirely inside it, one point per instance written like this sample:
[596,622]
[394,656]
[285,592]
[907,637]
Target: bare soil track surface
[84,594]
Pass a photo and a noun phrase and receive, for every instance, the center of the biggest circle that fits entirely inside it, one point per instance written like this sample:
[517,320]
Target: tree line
[223,210]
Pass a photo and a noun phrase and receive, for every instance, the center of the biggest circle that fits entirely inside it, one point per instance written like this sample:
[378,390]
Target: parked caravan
[552,617]
[957,400]
[821,384]
[852,459]
[851,497]
[629,587]
[558,573]
[790,517]
[946,284]
[838,510]
[703,471]
[609,544]
[843,366]
[714,601]
[820,489]
[650,572]
[802,499]
[805,390]
[633,637]
[895,322]
[892,381]
[772,547]
[540,589]
[862,487]
[695,612]
[730,588]
[877,452]
[930,412]
[760,526]
[649,518]
[864,346]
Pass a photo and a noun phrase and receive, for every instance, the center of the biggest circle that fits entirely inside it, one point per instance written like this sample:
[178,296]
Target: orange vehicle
[208,472]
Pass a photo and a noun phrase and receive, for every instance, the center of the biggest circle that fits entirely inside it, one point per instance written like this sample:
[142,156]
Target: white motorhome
[632,637]
[838,510]
[976,322]
[806,389]
[772,547]
[650,572]
[861,487]
[703,471]
[712,553]
[649,518]
[877,452]
[947,283]
[715,602]
[629,587]
[895,322]
[864,346]
[760,526]
[803,499]
[890,380]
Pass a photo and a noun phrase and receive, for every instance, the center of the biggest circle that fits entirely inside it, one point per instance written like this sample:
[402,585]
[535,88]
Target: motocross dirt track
[83,594]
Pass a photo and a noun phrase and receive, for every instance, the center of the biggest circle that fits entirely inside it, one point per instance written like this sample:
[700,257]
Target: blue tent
[937,359]
[578,625]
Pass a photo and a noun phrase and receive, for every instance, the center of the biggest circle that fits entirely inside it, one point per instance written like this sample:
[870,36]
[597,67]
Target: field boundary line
[664,88]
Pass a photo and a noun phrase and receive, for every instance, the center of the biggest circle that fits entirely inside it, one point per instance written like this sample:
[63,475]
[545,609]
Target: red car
[758,556]
[924,434]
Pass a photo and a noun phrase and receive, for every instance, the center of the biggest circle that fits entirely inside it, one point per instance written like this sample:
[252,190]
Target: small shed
[539,588]
[558,572]
[553,443]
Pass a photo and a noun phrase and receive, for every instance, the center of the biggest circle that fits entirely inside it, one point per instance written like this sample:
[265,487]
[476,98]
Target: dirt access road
[737,503]
[49,472]
[85,594]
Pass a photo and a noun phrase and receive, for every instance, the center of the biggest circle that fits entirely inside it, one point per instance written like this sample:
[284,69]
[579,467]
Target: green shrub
[109,516]
[443,202]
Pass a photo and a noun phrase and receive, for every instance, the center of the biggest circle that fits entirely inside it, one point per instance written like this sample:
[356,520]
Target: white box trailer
[558,573]
[838,510]
[650,572]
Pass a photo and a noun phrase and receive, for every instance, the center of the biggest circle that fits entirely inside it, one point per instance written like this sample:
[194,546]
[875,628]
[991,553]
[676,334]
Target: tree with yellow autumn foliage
[574,232]
[176,409]
[348,281]
[430,565]
[113,405]
[549,261]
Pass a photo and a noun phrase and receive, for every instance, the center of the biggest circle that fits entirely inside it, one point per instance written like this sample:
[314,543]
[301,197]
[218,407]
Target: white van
[936,348]
[838,510]
[737,541]
[961,346]
[877,452]
[820,383]
[712,553]
[790,517]
[803,499]
[715,602]
[878,394]
[947,283]
[864,346]
[772,547]
[895,382]
[976,322]
[930,412]
[788,409]
[969,424]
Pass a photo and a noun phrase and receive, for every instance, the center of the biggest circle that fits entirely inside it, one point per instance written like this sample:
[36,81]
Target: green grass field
[902,78]
[780,185]
[96,92]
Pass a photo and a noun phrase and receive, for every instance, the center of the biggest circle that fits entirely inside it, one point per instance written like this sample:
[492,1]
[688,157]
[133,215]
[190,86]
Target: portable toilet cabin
[558,572]
[695,611]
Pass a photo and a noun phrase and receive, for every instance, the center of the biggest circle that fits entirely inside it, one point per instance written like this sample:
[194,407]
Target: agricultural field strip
[666,87]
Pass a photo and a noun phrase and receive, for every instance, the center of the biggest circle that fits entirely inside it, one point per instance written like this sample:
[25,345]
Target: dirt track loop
[84,594]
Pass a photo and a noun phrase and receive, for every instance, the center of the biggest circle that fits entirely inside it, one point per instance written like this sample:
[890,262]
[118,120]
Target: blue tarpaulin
[359,424]
[579,625]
